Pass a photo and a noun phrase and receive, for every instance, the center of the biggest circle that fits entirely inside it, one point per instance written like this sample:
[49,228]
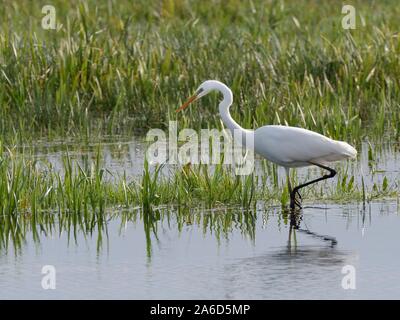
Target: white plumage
[296,147]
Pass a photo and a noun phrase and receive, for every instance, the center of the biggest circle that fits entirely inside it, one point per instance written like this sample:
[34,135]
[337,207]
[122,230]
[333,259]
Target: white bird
[289,147]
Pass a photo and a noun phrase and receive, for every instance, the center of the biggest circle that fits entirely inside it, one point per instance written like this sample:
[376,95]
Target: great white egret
[289,147]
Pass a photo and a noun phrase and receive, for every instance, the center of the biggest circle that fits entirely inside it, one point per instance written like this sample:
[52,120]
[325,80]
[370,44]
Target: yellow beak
[186,104]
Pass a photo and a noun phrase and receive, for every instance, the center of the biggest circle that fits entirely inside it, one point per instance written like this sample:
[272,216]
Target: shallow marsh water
[124,155]
[223,253]
[205,260]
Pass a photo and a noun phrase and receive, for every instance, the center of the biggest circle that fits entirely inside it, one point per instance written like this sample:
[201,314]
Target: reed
[117,66]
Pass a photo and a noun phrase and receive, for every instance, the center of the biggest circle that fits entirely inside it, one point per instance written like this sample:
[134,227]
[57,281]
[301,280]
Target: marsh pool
[327,251]
[269,256]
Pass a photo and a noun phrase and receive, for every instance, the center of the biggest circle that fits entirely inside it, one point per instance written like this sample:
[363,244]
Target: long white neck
[247,136]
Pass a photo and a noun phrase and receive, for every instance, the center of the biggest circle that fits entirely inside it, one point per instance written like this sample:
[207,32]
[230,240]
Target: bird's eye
[199,91]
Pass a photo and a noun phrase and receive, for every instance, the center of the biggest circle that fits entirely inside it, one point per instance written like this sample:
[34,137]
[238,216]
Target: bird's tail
[347,149]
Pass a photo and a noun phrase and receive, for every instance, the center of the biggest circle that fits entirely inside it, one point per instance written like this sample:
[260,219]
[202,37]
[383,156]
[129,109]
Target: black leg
[293,200]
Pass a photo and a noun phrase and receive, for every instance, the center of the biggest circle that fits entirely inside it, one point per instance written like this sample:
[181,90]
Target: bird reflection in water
[295,218]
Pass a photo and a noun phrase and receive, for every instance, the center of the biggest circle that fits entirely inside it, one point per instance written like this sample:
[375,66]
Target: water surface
[203,253]
[221,254]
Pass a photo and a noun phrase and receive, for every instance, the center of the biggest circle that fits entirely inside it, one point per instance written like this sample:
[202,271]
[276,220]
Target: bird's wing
[292,144]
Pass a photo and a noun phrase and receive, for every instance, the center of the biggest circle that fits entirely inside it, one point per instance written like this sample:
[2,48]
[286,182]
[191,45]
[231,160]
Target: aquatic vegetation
[122,67]
[117,66]
[87,190]
[41,199]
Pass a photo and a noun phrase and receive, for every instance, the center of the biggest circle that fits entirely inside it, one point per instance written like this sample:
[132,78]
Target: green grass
[118,68]
[122,66]
[38,199]
[88,192]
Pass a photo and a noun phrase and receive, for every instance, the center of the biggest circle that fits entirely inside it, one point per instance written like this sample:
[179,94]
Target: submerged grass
[116,65]
[87,190]
[77,198]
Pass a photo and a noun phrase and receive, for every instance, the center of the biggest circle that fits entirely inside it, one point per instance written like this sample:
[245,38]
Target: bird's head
[205,88]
